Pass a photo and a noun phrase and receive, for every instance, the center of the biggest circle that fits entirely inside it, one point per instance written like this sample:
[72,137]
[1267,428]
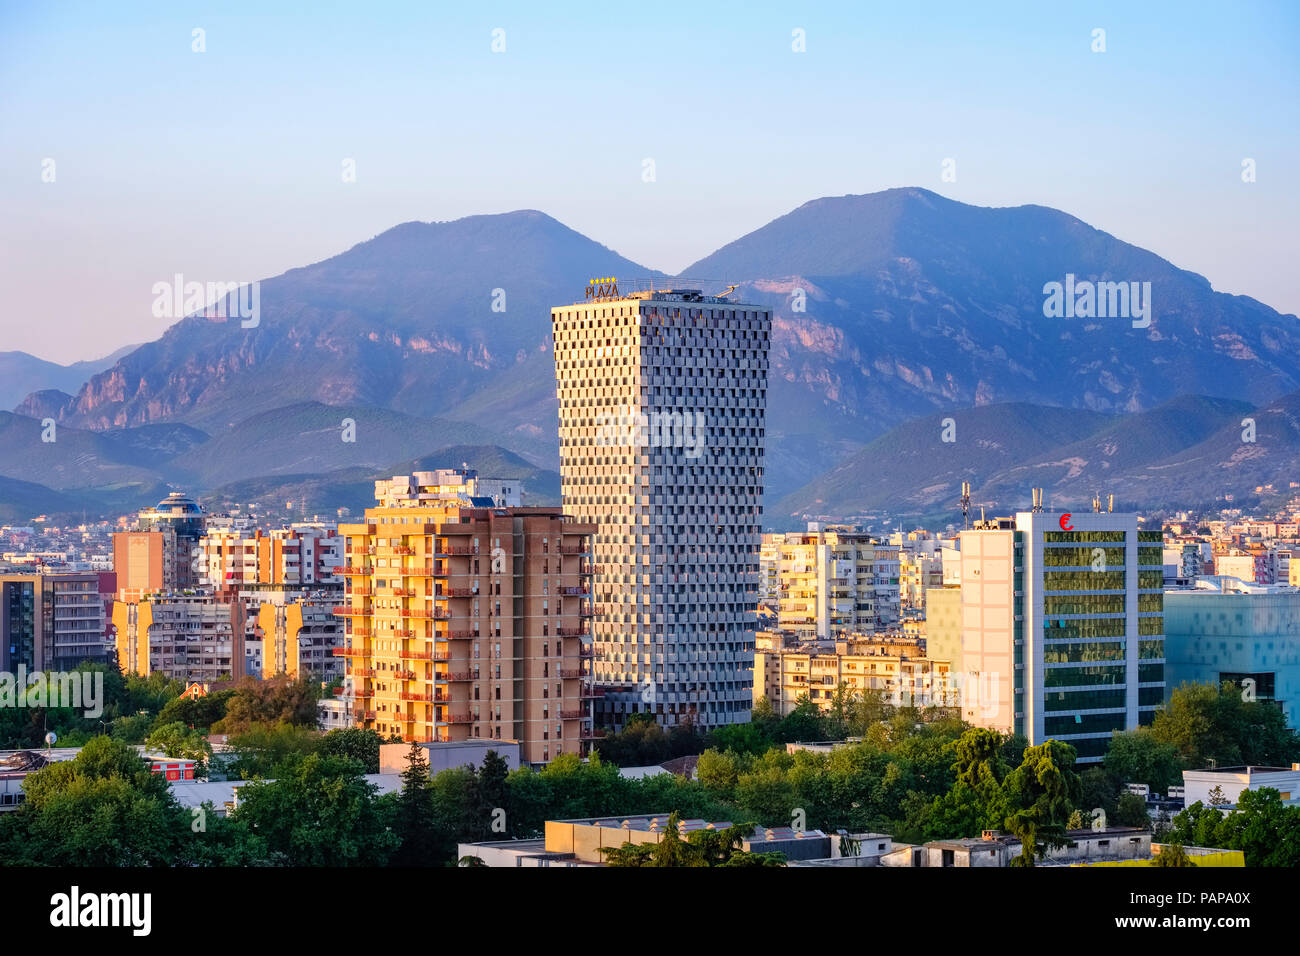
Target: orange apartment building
[465,620]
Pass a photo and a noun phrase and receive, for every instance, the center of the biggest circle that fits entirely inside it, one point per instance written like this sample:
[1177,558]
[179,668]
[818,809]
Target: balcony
[573,631]
[454,676]
[570,673]
[586,654]
[349,652]
[458,592]
[434,615]
[362,672]
[364,715]
[352,569]
[591,693]
[573,715]
[415,695]
[457,636]
[576,592]
[590,734]
[415,655]
[406,675]
[457,719]
[343,610]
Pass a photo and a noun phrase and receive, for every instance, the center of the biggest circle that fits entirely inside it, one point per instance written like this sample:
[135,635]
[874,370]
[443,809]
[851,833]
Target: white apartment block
[831,579]
[662,401]
[301,556]
[1062,627]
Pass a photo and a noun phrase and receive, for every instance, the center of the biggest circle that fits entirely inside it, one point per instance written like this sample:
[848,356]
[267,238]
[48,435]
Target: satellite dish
[51,738]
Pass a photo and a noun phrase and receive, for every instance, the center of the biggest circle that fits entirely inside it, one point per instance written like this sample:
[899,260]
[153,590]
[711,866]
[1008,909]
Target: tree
[178,741]
[1131,811]
[414,824]
[262,749]
[281,700]
[492,795]
[1041,794]
[103,808]
[979,760]
[355,742]
[801,724]
[1139,756]
[1172,855]
[1215,726]
[717,772]
[700,849]
[319,811]
[744,739]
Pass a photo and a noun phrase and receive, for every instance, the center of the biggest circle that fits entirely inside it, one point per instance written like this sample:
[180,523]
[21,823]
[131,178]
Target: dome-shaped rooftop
[178,502]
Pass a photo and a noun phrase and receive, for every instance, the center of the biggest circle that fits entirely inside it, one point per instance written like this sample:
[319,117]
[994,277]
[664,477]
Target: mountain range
[891,311]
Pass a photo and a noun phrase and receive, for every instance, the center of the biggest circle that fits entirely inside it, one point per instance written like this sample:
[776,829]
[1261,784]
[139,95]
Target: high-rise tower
[662,399]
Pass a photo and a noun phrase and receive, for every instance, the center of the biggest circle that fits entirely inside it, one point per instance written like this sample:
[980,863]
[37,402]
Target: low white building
[1231,781]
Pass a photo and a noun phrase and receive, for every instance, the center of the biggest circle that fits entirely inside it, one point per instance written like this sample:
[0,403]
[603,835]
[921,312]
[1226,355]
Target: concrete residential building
[833,579]
[465,620]
[189,637]
[302,556]
[894,666]
[1062,630]
[662,404]
[51,621]
[299,634]
[1224,629]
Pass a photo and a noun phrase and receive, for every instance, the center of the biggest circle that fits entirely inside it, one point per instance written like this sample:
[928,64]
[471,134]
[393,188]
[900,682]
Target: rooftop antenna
[1096,502]
[965,504]
[1110,503]
[1038,500]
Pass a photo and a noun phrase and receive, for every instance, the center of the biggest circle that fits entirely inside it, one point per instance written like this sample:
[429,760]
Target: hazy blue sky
[226,164]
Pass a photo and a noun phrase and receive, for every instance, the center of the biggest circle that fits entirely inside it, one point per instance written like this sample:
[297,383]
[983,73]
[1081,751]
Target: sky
[128,156]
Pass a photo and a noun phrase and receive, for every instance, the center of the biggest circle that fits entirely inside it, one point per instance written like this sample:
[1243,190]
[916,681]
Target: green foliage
[1131,811]
[261,750]
[1041,794]
[643,743]
[103,808]
[1210,726]
[1139,756]
[318,812]
[354,742]
[1262,827]
[179,741]
[414,824]
[282,700]
[1173,855]
[199,713]
[701,848]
